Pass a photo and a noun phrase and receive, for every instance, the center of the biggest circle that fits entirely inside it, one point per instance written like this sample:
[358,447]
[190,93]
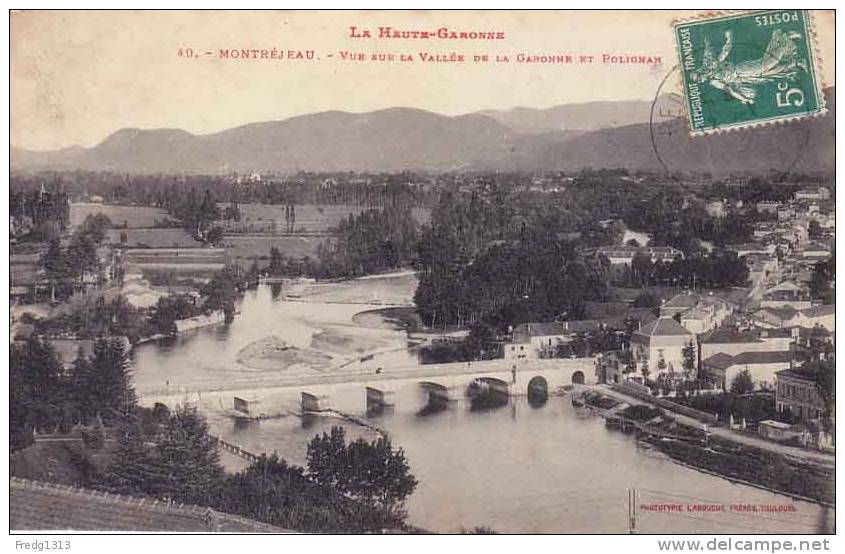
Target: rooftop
[720,360]
[631,251]
[786,295]
[751,358]
[782,312]
[693,299]
[786,285]
[36,505]
[663,326]
[819,311]
[524,331]
[724,361]
[795,374]
[724,335]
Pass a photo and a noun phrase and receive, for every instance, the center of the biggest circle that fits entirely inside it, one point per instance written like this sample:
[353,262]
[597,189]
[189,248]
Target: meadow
[132,217]
[310,218]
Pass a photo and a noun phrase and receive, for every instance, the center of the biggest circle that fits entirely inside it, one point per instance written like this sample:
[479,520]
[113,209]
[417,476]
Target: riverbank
[795,478]
[736,458]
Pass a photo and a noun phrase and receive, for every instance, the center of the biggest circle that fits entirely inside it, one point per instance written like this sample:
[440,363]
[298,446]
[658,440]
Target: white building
[660,345]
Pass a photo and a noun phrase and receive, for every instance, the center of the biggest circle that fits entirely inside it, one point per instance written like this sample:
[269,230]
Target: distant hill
[590,116]
[806,145]
[569,137]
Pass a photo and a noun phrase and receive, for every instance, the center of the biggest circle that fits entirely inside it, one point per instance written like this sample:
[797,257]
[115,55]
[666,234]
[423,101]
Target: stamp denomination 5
[748,69]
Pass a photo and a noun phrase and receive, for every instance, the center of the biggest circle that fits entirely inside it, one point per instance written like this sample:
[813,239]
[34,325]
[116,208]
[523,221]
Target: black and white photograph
[395,272]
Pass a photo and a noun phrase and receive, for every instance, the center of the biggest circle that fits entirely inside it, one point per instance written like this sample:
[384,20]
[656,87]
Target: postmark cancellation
[748,69]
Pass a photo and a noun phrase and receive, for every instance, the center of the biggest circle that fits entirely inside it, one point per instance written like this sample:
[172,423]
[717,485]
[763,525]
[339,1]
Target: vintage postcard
[405,272]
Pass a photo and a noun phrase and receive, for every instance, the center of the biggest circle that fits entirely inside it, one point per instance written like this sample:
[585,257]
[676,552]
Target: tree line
[90,314]
[66,268]
[347,486]
[717,269]
[44,398]
[412,189]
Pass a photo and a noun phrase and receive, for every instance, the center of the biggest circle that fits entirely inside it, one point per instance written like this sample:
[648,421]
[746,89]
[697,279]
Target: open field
[153,238]
[310,218]
[257,247]
[131,217]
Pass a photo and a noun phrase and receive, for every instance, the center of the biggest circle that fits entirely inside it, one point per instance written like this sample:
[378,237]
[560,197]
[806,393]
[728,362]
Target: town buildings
[797,393]
[697,313]
[624,255]
[721,369]
[660,345]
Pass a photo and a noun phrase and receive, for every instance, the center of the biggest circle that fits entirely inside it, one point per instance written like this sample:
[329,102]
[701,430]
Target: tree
[187,457]
[641,267]
[214,235]
[689,359]
[276,262]
[272,491]
[661,365]
[36,393]
[220,293]
[55,267]
[823,372]
[169,309]
[79,382]
[109,385]
[742,383]
[371,472]
[134,468]
[232,212]
[646,300]
[814,230]
[644,369]
[823,273]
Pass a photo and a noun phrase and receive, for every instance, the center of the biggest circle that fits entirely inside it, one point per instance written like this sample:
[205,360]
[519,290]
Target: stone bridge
[441,382]
[449,382]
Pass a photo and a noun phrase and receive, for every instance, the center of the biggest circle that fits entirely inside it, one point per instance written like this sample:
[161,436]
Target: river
[515,468]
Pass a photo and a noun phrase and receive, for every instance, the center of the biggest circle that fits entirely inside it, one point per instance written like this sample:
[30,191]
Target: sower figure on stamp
[780,61]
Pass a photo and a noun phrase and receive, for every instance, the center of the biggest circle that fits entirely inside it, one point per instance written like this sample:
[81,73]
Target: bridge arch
[538,391]
[538,385]
[578,377]
[488,385]
[486,393]
[433,388]
[437,397]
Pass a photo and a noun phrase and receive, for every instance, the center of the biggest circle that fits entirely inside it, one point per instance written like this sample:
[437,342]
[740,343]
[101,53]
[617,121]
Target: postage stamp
[747,69]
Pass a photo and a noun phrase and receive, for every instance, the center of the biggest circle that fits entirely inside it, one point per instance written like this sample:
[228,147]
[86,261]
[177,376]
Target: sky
[78,76]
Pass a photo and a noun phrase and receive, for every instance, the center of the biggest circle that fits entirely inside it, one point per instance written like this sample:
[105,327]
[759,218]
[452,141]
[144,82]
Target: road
[731,435]
[413,372]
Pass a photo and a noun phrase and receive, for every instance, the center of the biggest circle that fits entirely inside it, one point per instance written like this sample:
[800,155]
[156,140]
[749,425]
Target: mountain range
[567,138]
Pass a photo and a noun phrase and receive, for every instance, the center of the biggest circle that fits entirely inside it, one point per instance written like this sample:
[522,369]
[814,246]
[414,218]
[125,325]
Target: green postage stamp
[746,69]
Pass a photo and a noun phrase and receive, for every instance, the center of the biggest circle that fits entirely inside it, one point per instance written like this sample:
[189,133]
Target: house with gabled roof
[624,255]
[734,341]
[721,369]
[815,251]
[773,318]
[698,313]
[660,345]
[823,316]
[542,339]
[797,299]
